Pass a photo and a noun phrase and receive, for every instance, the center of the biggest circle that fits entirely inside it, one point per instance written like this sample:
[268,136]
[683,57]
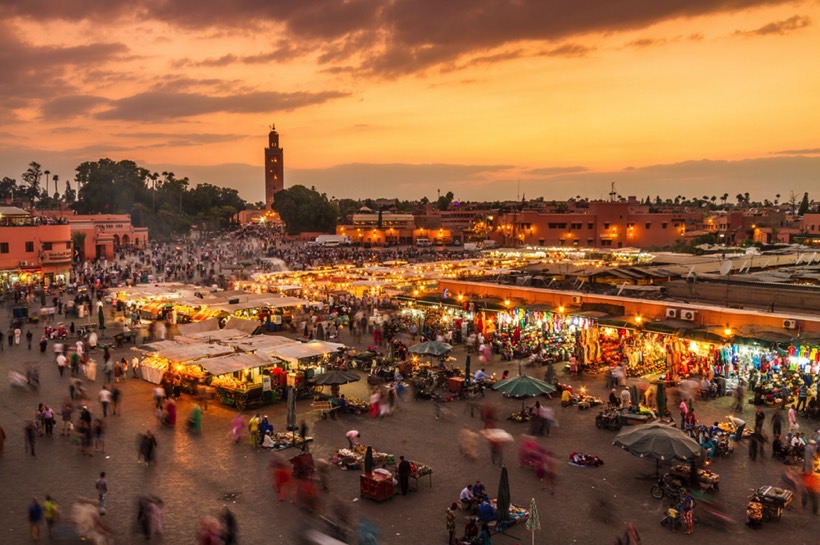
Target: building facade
[601,225]
[33,250]
[274,168]
[105,234]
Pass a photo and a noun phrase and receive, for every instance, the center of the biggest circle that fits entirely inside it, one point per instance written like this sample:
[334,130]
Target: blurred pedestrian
[35,519]
[51,513]
[147,446]
[30,434]
[29,336]
[237,425]
[105,399]
[101,485]
[451,522]
[229,527]
[303,431]
[2,439]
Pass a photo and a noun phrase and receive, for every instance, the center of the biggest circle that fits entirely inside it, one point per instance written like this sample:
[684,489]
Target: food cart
[240,379]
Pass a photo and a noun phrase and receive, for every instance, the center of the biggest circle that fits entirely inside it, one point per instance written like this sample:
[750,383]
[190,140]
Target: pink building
[32,249]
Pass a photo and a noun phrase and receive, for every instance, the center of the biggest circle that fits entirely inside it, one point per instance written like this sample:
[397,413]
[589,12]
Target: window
[590,226]
[46,246]
[630,225]
[4,247]
[648,225]
[663,225]
[606,226]
[606,242]
[557,225]
[590,242]
[576,226]
[561,242]
[68,245]
[29,246]
[575,242]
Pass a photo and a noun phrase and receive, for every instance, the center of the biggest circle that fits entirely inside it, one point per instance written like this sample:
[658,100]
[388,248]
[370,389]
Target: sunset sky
[401,98]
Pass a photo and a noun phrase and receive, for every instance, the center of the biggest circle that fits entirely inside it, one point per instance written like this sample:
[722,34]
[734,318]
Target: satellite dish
[725,267]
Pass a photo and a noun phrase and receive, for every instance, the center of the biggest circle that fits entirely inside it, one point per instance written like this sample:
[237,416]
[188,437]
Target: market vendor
[480,375]
[467,498]
[739,425]
[479,491]
[486,511]
[353,437]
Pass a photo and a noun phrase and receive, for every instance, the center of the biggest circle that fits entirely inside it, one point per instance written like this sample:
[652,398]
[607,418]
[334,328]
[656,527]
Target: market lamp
[561,309]
[727,331]
[638,319]
[506,302]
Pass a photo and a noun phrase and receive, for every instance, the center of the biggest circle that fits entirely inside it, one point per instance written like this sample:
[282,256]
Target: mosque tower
[274,168]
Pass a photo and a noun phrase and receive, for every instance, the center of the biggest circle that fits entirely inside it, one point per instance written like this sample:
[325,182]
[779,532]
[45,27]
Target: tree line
[167,205]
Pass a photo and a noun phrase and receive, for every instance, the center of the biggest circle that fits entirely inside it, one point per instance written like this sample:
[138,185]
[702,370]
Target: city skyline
[487,99]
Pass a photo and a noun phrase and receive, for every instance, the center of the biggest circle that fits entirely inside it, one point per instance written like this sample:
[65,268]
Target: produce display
[704,475]
[354,458]
[579,459]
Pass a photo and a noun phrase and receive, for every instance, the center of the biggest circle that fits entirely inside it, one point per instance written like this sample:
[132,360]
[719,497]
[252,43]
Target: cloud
[779,27]
[162,105]
[391,38]
[551,171]
[70,106]
[43,72]
[183,139]
[645,42]
[805,151]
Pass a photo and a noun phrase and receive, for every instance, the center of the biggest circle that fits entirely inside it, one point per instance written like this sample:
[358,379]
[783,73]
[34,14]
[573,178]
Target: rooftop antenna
[612,192]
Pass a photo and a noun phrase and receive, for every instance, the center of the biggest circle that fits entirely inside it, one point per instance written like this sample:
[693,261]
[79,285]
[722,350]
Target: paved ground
[193,472]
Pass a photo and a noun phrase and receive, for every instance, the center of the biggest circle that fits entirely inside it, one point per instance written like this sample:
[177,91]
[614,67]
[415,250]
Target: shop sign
[56,256]
[266,383]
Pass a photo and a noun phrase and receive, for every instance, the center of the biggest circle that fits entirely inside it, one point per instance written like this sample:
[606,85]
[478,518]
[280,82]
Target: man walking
[105,400]
[102,490]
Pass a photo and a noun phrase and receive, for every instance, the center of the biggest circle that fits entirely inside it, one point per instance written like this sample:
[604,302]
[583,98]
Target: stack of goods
[288,439]
[705,476]
[357,405]
[522,416]
[354,458]
[579,459]
[517,514]
[419,470]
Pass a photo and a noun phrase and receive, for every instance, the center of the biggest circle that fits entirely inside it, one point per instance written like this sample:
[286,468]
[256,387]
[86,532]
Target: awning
[625,322]
[261,344]
[249,327]
[668,327]
[703,335]
[212,324]
[218,335]
[300,351]
[193,352]
[231,363]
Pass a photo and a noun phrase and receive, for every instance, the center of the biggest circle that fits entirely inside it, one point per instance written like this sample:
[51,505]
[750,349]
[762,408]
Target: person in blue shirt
[486,512]
[480,375]
[479,491]
[35,519]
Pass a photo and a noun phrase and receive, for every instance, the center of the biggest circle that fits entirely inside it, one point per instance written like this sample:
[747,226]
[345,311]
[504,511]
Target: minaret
[274,168]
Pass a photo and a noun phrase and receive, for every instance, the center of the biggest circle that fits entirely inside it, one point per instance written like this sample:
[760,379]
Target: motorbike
[667,486]
[609,419]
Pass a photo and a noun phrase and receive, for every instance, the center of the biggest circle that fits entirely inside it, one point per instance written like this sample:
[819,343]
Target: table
[376,486]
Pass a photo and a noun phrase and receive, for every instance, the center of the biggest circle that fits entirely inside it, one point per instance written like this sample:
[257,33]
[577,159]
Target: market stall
[241,380]
[174,357]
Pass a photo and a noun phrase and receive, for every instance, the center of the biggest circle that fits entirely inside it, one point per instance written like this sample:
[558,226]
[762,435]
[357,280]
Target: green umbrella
[503,500]
[523,387]
[658,441]
[101,315]
[533,522]
[431,348]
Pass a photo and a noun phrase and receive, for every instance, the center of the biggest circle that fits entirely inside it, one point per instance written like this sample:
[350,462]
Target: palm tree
[46,173]
[777,199]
